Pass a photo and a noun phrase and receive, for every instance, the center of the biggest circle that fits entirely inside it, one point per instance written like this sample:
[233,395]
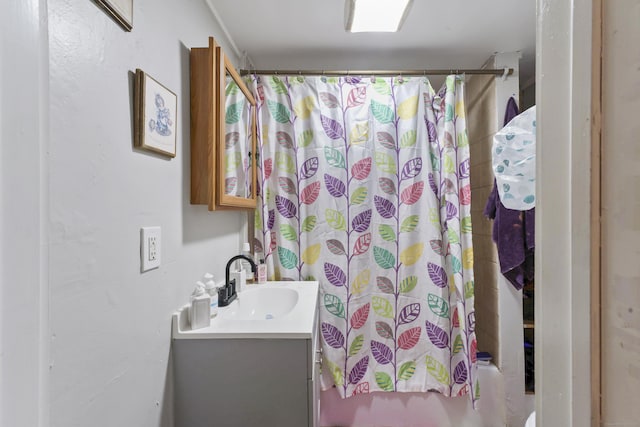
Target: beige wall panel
[621,214]
[483,250]
[480,102]
[489,270]
[481,225]
[481,175]
[480,149]
[479,197]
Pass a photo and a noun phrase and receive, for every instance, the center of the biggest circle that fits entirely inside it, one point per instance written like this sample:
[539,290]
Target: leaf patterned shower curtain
[364,186]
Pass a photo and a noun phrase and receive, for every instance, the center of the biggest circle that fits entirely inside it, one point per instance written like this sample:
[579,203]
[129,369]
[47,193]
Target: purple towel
[513,231]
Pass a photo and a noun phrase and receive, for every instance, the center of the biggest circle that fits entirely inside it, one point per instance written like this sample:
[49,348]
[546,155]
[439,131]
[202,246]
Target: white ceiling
[308,34]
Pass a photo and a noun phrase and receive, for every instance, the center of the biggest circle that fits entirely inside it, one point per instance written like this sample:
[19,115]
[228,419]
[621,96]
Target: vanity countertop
[299,322]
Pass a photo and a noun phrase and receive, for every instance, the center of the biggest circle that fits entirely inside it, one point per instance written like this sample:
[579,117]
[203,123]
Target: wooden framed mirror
[236,147]
[223,133]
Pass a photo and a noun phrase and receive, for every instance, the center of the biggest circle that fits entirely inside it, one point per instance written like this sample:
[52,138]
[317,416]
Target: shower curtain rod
[488,71]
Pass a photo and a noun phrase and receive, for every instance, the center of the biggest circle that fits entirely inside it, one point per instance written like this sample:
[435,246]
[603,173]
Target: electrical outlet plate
[150,248]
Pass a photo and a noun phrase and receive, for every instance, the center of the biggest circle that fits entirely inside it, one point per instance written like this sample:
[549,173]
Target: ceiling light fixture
[375,15]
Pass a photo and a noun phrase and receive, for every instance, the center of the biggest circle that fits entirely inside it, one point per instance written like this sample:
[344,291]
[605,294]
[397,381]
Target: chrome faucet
[228,293]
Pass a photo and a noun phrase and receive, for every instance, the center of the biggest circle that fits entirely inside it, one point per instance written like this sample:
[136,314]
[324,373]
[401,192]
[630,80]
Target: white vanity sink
[258,303]
[271,310]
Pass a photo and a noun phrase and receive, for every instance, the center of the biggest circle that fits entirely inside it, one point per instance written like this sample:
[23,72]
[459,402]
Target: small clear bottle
[244,265]
[211,289]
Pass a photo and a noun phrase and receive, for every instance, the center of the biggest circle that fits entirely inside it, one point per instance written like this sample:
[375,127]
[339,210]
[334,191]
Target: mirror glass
[238,140]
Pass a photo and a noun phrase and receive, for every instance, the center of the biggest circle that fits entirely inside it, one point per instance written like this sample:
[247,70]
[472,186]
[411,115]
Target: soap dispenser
[200,310]
[211,289]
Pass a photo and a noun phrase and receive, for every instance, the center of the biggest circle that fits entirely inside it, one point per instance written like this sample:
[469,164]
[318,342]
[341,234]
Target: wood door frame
[596,213]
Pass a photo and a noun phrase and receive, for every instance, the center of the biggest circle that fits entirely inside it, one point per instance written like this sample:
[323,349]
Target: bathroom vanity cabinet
[264,379]
[246,382]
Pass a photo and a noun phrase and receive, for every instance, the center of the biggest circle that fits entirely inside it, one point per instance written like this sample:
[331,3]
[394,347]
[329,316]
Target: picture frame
[120,10]
[155,115]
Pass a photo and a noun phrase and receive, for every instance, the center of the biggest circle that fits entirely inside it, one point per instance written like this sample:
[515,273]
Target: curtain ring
[505,73]
[373,79]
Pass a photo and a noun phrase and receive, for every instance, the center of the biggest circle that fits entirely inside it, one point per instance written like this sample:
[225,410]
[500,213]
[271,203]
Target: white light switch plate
[150,245]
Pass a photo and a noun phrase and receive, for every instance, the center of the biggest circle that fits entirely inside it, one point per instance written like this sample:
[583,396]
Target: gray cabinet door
[241,382]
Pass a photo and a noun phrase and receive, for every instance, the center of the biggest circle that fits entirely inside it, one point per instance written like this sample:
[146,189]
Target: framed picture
[155,116]
[120,10]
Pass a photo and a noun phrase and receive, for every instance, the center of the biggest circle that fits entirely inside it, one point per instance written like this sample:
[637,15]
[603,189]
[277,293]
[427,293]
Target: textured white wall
[510,299]
[110,324]
[23,304]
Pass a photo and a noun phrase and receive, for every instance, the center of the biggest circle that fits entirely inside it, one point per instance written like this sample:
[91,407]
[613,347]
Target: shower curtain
[364,186]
